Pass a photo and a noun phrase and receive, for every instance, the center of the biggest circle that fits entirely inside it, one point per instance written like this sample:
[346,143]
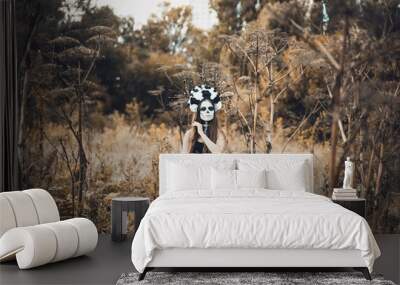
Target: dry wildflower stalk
[262,50]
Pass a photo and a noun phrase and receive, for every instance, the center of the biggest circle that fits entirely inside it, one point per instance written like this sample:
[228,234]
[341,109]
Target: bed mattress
[250,219]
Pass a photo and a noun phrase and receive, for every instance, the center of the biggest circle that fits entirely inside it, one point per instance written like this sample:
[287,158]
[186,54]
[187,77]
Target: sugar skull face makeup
[207,110]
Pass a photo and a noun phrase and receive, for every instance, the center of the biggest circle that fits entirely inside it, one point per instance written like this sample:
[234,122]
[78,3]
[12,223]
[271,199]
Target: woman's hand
[198,126]
[217,147]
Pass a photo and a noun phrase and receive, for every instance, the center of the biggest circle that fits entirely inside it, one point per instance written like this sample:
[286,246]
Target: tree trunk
[270,130]
[271,124]
[309,5]
[80,137]
[369,170]
[23,73]
[380,170]
[73,195]
[82,157]
[336,109]
[20,141]
[363,135]
[81,151]
[256,96]
[335,115]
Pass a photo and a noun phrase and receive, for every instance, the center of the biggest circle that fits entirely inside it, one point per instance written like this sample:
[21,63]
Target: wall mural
[103,95]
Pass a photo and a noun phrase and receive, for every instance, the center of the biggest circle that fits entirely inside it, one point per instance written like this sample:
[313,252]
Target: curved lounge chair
[31,230]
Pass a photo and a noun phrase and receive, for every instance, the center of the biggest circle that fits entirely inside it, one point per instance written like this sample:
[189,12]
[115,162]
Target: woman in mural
[204,136]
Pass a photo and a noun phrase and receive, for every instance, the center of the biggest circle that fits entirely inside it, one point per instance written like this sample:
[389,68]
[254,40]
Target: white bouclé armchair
[31,230]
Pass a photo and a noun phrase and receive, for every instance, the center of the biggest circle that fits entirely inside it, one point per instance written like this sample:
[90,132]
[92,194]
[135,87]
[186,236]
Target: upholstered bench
[31,230]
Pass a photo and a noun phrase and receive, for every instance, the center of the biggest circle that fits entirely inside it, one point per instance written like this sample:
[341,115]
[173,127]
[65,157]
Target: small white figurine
[348,174]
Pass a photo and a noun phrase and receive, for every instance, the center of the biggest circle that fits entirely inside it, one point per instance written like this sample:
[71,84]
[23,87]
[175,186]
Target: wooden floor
[110,260]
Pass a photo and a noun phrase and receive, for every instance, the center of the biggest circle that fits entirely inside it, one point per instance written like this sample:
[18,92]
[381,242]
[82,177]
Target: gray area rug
[269,278]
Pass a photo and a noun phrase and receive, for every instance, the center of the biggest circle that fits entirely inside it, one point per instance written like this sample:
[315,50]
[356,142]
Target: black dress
[198,147]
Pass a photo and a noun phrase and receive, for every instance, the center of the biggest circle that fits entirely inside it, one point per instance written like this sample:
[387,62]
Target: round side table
[120,206]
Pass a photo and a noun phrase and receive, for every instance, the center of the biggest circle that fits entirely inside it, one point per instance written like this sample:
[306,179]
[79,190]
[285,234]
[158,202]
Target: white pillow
[292,180]
[227,179]
[182,177]
[251,178]
[193,174]
[223,179]
[280,174]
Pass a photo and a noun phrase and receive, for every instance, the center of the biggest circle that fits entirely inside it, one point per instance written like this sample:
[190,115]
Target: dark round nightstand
[120,206]
[358,205]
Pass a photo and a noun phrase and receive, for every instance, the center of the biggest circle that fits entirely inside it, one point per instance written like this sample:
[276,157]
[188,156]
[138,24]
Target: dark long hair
[212,131]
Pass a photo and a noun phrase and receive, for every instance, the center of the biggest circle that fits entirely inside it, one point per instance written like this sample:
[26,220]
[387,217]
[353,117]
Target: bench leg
[364,271]
[143,274]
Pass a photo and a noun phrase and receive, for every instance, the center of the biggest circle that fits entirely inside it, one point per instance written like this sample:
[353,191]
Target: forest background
[102,98]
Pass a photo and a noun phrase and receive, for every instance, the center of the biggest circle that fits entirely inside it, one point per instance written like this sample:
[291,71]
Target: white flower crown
[201,93]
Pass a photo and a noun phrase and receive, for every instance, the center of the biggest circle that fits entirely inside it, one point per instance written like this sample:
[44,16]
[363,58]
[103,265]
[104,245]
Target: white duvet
[254,218]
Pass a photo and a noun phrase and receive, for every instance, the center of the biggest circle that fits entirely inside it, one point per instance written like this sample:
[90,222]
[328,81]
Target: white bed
[248,227]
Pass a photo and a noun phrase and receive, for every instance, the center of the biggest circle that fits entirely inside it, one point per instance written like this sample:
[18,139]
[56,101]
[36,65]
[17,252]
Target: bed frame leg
[143,274]
[364,271]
